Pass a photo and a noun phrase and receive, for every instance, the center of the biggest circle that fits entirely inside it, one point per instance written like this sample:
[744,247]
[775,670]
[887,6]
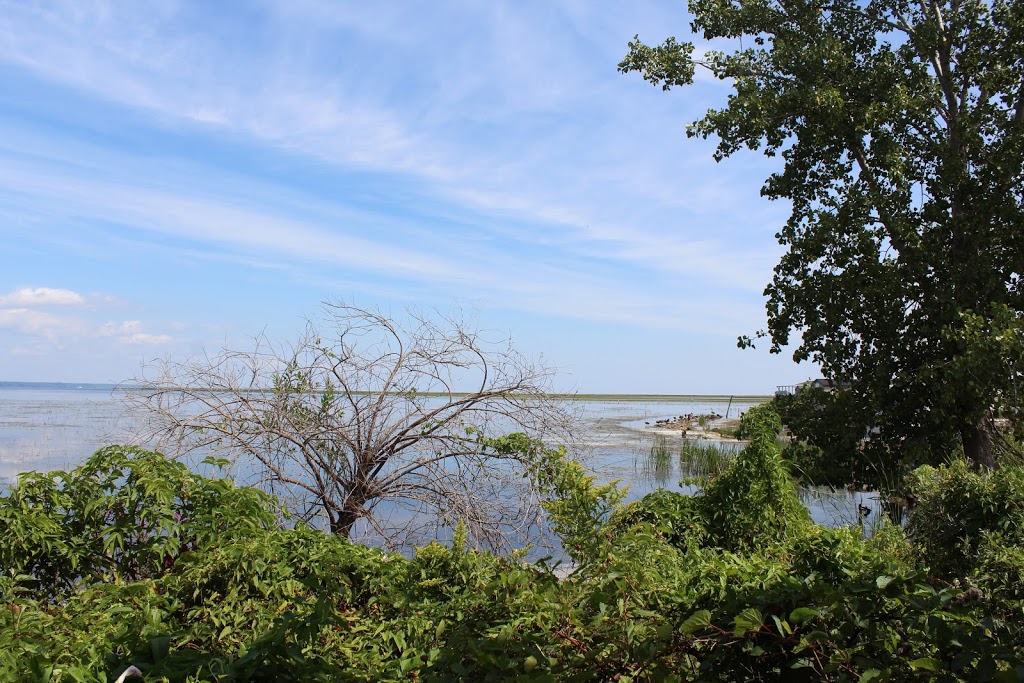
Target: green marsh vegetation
[684,458]
[703,459]
[658,466]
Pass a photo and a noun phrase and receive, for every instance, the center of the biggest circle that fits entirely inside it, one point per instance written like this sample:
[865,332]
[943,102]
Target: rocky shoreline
[709,426]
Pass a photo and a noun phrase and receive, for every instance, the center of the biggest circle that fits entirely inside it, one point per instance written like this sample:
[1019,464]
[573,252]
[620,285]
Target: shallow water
[622,441]
[46,429]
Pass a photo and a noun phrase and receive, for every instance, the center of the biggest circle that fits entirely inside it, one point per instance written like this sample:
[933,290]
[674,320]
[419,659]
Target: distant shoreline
[666,398]
[632,398]
[62,386]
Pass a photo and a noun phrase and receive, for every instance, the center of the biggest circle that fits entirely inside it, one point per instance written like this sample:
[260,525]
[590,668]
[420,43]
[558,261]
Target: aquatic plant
[657,466]
[703,459]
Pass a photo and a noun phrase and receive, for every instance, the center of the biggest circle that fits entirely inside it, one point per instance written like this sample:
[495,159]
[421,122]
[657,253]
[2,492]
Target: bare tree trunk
[341,525]
[978,442]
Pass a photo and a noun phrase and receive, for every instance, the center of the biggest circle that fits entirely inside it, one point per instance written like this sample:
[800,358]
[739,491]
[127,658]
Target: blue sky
[175,176]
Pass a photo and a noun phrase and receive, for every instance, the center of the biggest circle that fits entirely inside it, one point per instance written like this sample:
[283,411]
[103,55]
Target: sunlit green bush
[662,589]
[123,515]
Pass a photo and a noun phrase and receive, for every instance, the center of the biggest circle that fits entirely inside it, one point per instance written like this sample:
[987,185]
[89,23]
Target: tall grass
[697,459]
[657,466]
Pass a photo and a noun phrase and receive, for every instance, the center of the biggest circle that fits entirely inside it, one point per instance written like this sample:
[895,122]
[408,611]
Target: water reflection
[54,429]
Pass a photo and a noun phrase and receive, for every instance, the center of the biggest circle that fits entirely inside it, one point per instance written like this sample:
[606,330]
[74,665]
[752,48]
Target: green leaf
[698,621]
[160,646]
[927,664]
[802,614]
[749,619]
[883,581]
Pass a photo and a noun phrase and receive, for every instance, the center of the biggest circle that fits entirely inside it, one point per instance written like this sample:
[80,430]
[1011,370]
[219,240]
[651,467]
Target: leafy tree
[829,445]
[371,424]
[901,130]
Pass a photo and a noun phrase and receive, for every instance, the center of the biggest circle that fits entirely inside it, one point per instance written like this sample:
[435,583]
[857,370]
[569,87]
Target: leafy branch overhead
[901,130]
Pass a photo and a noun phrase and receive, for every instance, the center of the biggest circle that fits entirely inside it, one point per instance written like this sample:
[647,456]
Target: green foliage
[956,511]
[660,595]
[674,517]
[899,126]
[122,515]
[831,447]
[827,438]
[578,508]
[754,500]
[757,416]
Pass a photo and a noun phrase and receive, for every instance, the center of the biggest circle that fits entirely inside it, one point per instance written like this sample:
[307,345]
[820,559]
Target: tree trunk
[977,440]
[342,524]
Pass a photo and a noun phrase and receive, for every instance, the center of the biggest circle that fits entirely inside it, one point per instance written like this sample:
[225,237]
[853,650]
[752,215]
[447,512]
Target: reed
[657,466]
[699,459]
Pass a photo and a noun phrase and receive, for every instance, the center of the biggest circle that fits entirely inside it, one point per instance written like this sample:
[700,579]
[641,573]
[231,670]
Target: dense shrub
[666,588]
[675,517]
[122,515]
[754,501]
[756,416]
[961,515]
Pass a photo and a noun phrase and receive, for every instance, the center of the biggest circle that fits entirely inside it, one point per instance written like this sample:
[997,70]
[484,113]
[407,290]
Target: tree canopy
[901,130]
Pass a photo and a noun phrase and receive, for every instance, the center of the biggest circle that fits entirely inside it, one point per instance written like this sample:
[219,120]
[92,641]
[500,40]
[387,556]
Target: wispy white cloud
[442,264]
[125,327]
[208,221]
[52,330]
[39,323]
[41,296]
[395,151]
[149,339]
[488,119]
[29,352]
[131,332]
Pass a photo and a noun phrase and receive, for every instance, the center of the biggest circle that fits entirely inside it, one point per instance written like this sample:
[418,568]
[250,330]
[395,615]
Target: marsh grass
[695,459]
[698,459]
[657,466]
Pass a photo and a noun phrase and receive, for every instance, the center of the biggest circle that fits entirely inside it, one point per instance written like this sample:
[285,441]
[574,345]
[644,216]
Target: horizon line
[581,396]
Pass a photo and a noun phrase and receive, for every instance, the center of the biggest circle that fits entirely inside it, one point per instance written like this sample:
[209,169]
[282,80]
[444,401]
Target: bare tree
[373,426]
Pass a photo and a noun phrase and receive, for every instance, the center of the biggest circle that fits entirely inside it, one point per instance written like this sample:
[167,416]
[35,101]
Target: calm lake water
[45,428]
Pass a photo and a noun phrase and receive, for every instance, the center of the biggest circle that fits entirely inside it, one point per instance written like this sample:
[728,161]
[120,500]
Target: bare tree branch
[371,424]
